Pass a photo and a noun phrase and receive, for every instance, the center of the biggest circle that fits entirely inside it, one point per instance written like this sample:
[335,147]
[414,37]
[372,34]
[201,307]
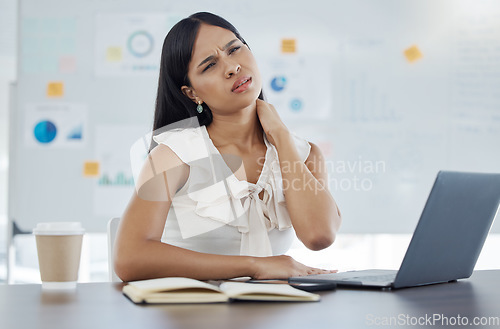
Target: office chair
[112,228]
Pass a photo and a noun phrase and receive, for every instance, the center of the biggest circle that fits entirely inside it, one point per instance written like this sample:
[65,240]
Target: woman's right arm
[140,254]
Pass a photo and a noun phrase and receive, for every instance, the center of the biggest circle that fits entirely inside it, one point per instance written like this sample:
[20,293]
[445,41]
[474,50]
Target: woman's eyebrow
[209,58]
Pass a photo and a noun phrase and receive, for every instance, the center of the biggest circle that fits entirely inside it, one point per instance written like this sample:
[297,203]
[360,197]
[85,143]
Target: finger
[322,271]
[260,103]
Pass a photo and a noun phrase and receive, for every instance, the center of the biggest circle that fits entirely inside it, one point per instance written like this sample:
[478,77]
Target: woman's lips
[241,84]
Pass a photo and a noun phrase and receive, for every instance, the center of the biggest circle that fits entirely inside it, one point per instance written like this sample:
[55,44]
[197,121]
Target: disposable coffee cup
[59,247]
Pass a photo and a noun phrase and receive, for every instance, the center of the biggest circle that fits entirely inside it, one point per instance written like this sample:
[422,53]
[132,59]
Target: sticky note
[55,89]
[91,169]
[413,54]
[288,46]
[114,54]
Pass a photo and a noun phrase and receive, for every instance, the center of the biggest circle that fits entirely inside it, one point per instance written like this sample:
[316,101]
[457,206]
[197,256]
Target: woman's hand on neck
[271,122]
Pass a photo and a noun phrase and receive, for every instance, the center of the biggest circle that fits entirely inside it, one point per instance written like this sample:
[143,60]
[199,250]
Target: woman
[230,192]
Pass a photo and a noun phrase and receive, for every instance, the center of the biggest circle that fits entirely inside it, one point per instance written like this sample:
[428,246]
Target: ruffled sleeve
[187,143]
[303,147]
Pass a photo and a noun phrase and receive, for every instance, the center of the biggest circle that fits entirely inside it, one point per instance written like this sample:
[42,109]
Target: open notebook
[186,290]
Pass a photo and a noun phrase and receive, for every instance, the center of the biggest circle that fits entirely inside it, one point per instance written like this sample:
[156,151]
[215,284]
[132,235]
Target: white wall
[411,118]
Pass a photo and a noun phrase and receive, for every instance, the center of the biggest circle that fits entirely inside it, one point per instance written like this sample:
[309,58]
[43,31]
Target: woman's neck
[242,129]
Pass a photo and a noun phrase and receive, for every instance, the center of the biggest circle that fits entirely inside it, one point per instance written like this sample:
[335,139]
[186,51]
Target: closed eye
[232,50]
[208,66]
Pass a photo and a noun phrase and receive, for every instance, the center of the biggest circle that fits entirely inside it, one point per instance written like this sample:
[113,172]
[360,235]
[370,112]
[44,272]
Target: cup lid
[59,228]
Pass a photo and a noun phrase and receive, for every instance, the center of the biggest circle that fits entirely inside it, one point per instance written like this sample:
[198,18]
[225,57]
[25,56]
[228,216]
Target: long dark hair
[171,103]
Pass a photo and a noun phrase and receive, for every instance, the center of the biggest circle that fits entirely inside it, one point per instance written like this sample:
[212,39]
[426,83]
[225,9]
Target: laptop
[447,241]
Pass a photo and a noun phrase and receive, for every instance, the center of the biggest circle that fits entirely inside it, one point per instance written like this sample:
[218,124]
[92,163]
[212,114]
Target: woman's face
[223,72]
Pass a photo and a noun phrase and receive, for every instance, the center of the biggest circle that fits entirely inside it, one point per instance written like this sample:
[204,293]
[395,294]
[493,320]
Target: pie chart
[278,83]
[45,131]
[140,43]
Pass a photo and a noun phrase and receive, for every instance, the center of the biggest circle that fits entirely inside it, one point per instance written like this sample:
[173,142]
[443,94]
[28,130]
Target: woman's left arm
[313,211]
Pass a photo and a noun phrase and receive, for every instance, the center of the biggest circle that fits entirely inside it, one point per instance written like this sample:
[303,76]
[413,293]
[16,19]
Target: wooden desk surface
[101,305]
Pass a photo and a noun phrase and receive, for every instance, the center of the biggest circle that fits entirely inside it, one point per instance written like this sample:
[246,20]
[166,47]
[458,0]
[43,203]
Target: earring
[199,108]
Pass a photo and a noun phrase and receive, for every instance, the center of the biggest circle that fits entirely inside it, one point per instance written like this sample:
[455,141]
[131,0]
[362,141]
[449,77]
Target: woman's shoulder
[150,183]
[162,155]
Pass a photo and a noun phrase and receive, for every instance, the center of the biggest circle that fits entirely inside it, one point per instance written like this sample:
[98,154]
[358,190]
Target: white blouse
[214,212]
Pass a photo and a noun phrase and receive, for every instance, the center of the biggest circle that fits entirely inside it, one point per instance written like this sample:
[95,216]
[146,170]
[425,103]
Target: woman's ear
[189,92]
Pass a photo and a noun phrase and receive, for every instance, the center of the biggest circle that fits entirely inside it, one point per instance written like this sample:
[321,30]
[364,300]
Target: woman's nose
[232,68]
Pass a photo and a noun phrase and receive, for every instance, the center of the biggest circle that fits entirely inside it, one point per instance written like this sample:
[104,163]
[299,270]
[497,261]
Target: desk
[101,305]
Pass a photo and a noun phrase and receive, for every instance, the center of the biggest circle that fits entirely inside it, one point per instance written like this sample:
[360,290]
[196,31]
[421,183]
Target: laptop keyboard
[373,278]
[366,278]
